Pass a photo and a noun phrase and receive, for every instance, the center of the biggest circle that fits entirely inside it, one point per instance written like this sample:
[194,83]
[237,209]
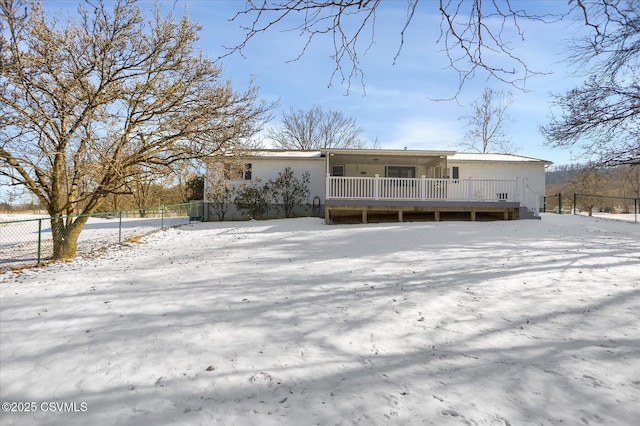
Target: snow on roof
[388,152]
[474,156]
[461,156]
[288,154]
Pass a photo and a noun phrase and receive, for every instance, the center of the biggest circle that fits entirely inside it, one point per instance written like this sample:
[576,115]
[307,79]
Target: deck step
[526,213]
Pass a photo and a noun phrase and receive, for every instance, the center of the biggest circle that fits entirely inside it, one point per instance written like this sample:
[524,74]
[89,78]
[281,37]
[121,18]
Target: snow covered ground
[629,217]
[293,322]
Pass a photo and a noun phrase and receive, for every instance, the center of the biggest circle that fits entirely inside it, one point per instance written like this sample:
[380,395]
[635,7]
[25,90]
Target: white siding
[268,169]
[531,173]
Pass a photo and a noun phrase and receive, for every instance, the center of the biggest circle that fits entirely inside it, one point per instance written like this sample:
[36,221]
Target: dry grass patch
[136,239]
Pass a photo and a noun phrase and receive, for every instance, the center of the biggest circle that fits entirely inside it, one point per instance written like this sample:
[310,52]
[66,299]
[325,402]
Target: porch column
[327,188]
[423,189]
[516,191]
[469,189]
[376,187]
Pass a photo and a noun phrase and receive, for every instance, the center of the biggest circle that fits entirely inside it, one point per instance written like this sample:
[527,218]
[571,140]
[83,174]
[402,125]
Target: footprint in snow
[261,377]
[452,413]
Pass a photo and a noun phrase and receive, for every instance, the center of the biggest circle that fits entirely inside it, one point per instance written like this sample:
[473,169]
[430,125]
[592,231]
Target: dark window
[456,172]
[238,171]
[337,170]
[401,171]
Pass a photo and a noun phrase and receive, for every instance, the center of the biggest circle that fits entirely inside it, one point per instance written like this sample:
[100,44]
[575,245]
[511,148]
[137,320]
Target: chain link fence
[29,242]
[622,208]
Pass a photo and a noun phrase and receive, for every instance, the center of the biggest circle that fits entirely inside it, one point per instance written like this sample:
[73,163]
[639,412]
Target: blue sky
[396,105]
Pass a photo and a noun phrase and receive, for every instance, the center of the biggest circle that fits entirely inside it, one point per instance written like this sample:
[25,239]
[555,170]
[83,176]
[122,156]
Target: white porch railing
[530,199]
[423,189]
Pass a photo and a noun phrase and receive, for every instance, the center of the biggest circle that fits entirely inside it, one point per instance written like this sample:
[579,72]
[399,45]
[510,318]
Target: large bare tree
[91,103]
[315,129]
[487,123]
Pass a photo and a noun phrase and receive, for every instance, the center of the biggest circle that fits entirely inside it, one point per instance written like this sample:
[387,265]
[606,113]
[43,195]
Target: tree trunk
[65,236]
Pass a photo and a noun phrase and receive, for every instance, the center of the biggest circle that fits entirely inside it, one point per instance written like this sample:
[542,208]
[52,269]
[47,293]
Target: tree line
[619,181]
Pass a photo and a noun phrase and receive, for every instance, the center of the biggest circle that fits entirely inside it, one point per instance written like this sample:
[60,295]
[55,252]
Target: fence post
[544,204]
[120,228]
[39,241]
[162,220]
[635,209]
[574,203]
[559,202]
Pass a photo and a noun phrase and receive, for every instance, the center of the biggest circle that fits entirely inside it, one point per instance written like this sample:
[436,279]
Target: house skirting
[376,210]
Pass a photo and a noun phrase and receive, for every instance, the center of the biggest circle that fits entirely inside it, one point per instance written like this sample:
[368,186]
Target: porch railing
[424,189]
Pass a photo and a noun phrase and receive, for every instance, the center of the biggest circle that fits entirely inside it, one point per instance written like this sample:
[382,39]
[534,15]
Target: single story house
[374,183]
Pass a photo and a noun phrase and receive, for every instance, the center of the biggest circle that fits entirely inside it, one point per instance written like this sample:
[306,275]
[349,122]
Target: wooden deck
[376,210]
[381,198]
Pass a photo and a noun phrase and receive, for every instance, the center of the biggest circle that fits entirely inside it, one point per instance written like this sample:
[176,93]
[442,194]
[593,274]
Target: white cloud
[425,133]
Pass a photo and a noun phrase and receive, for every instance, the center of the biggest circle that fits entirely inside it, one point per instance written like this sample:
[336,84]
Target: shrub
[288,191]
[252,198]
[219,195]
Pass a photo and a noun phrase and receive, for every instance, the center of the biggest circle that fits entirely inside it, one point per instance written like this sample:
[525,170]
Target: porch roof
[385,156]
[497,158]
[387,152]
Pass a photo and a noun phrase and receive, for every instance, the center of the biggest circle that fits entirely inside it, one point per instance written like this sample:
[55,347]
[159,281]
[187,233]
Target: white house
[374,183]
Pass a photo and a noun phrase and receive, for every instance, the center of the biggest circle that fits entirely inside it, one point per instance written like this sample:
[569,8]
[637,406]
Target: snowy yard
[293,322]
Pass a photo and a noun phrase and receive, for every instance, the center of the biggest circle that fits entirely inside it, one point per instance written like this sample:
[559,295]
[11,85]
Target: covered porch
[387,163]
[405,184]
[406,198]
[421,189]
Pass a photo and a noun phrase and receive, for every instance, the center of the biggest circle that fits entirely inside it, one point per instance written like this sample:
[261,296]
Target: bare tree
[487,123]
[632,181]
[315,129]
[603,115]
[476,35]
[87,105]
[590,182]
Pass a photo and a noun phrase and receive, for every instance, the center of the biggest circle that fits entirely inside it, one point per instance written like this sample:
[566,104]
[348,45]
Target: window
[401,171]
[238,171]
[337,170]
[456,172]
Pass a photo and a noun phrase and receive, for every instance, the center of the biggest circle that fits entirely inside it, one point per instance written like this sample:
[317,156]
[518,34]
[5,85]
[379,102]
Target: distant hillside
[621,181]
[558,175]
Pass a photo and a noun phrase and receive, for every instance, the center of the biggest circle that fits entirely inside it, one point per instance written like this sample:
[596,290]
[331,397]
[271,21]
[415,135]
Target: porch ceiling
[386,157]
